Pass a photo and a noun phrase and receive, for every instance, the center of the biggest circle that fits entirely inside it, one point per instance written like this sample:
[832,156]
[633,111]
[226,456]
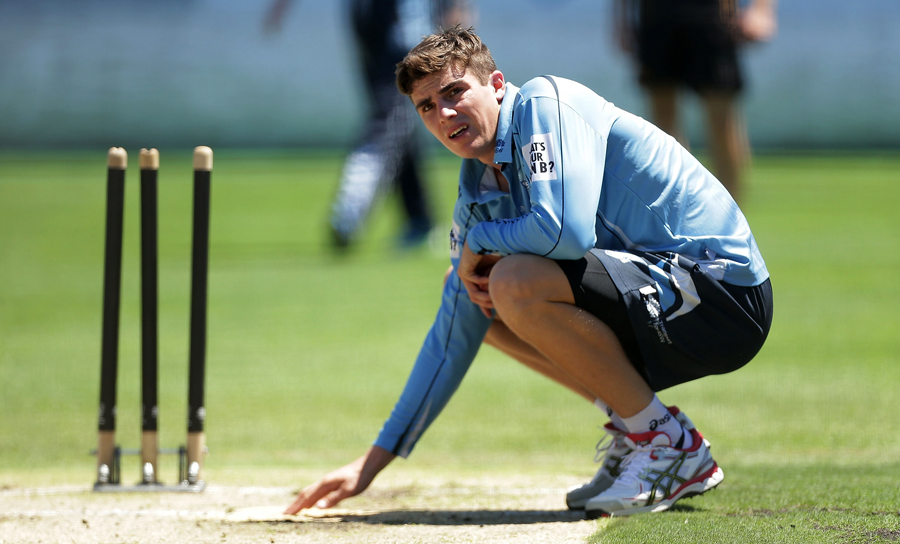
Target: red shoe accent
[698,478]
[609,425]
[697,438]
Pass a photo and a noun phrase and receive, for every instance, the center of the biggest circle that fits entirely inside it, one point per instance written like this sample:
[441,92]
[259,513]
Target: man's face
[461,111]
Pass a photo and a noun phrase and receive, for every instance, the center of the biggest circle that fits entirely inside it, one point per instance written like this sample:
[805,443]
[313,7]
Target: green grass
[307,351]
[797,504]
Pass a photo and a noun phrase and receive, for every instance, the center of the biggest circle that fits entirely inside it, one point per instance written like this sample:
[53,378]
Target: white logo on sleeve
[454,242]
[540,157]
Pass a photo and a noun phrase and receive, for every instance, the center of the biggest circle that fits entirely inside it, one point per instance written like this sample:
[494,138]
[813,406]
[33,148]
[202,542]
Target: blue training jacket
[583,174]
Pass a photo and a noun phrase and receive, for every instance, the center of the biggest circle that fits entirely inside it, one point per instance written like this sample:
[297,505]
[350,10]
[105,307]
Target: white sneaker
[655,475]
[611,450]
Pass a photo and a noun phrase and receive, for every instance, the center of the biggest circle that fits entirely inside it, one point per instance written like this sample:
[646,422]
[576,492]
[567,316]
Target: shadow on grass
[457,517]
[448,517]
[680,507]
[451,517]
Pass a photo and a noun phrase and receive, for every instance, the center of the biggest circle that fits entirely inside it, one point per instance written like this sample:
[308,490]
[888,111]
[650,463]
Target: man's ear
[498,82]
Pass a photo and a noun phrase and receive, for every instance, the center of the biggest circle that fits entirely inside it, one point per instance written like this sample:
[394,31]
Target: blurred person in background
[388,154]
[695,44]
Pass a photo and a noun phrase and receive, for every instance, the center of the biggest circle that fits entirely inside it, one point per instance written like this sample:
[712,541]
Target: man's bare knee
[518,282]
[513,283]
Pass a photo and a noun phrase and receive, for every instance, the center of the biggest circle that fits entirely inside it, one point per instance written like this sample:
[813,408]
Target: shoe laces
[606,442]
[634,464]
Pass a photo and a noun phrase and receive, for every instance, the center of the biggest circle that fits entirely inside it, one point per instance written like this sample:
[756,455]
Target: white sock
[614,417]
[656,417]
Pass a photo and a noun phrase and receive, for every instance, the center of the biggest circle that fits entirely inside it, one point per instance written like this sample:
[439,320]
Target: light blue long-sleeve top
[582,174]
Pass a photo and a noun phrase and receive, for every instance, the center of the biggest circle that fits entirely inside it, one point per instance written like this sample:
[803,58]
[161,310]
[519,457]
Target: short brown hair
[457,47]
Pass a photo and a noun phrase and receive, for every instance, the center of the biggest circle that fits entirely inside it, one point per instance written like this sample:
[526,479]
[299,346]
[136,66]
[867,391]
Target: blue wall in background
[181,73]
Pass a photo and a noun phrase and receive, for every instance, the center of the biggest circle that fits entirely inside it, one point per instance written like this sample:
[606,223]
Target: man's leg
[499,336]
[727,139]
[534,299]
[664,111]
[611,449]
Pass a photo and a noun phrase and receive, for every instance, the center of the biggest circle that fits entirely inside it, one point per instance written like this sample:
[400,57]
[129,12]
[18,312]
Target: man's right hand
[345,482]
[474,272]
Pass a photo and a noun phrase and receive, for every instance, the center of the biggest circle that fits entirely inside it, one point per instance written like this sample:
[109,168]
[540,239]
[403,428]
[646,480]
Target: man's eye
[427,107]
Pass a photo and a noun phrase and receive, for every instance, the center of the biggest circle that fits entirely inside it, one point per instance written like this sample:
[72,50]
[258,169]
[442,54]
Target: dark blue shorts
[718,332]
[689,42]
